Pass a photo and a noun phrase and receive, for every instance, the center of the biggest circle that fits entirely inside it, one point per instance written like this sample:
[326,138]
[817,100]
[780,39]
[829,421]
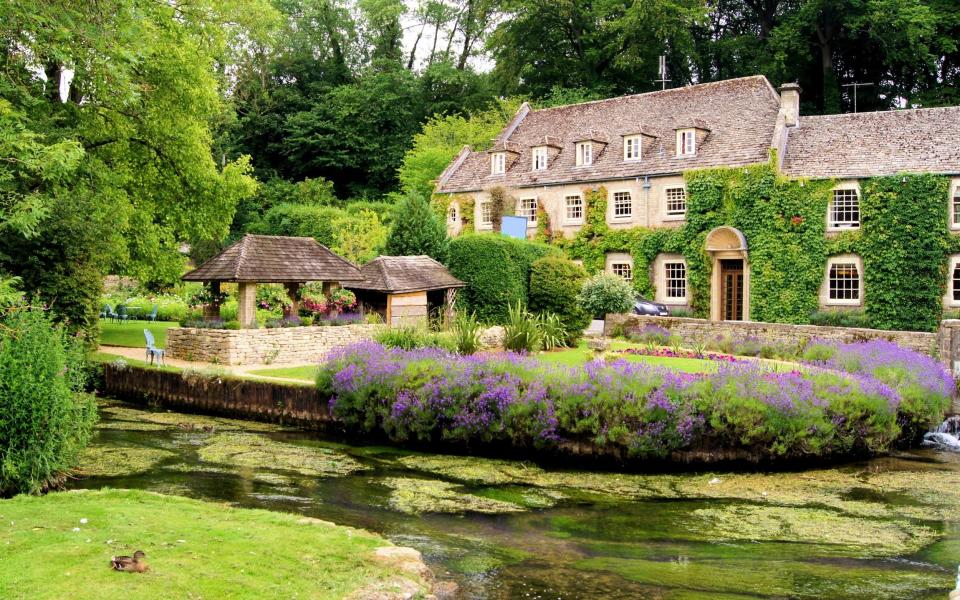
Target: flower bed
[844,406]
[680,353]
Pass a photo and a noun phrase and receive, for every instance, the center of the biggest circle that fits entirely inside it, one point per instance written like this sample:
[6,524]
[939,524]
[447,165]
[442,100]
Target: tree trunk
[413,51]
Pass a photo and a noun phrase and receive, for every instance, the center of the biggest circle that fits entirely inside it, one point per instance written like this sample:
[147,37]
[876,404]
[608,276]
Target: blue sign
[515,227]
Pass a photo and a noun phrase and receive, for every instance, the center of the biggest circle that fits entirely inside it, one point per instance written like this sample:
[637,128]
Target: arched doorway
[730,281]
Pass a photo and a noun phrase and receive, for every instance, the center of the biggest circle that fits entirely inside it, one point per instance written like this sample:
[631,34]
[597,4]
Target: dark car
[642,306]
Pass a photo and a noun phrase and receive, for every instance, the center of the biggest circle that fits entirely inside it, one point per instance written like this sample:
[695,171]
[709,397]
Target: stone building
[638,148]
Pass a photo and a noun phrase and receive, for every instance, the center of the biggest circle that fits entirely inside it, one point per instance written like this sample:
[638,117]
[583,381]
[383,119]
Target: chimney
[790,104]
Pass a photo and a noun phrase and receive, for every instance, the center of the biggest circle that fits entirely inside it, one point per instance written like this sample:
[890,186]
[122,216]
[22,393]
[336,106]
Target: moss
[523,496]
[471,469]
[415,496]
[118,461]
[257,451]
[113,411]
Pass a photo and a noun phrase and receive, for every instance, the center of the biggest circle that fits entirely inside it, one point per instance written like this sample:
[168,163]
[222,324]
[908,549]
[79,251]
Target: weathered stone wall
[263,346]
[774,333]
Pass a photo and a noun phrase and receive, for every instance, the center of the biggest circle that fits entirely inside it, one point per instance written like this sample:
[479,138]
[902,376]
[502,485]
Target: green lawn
[59,546]
[581,354]
[107,357]
[130,334]
[305,373]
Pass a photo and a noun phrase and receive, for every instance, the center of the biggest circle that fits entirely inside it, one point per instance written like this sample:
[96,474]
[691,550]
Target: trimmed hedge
[496,270]
[555,284]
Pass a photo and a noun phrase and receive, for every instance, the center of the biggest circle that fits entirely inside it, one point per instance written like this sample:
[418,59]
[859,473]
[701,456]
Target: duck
[134,564]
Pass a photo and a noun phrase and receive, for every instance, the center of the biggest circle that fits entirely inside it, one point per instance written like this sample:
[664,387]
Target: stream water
[886,528]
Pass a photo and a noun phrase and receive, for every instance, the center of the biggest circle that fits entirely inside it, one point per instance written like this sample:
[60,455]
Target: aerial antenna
[662,72]
[856,86]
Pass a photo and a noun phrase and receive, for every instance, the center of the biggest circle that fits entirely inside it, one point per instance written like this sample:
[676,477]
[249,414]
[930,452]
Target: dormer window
[498,163]
[540,158]
[584,154]
[631,147]
[686,142]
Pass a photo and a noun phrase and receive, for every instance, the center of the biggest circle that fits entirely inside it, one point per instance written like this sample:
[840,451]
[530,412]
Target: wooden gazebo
[403,289]
[292,261]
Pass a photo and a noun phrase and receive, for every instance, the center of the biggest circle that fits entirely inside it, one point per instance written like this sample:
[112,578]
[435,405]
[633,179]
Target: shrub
[417,230]
[44,419]
[522,331]
[466,333]
[552,331]
[411,338]
[300,220]
[605,294]
[650,334]
[234,325]
[496,270]
[555,284]
[840,318]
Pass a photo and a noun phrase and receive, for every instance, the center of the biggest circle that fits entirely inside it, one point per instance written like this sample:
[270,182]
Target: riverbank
[60,545]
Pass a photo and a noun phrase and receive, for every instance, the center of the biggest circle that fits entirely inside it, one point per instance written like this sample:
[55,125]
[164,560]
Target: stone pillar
[293,292]
[247,304]
[211,311]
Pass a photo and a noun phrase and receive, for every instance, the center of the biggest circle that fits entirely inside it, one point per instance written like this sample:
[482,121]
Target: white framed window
[623,270]
[486,213]
[574,209]
[622,205]
[844,281]
[498,163]
[686,142]
[584,154]
[955,208]
[539,158]
[675,200]
[675,281]
[452,214]
[631,147]
[844,209]
[527,207]
[954,283]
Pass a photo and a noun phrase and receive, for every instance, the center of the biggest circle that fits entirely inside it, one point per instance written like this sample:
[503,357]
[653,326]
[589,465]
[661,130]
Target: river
[884,528]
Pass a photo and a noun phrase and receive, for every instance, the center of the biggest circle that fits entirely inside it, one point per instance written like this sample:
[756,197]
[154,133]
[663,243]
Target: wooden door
[731,290]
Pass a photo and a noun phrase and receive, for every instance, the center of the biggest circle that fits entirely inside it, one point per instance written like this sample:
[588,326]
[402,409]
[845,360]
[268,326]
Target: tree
[359,238]
[417,230]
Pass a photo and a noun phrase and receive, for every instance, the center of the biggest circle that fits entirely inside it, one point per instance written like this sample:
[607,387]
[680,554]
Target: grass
[581,354]
[130,334]
[107,357]
[303,373]
[195,550]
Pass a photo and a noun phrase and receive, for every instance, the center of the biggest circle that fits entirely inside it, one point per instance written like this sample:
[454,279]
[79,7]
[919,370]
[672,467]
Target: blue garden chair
[152,351]
[109,313]
[153,314]
[122,314]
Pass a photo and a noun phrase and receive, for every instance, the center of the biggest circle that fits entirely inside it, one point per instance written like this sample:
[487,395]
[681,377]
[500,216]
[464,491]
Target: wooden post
[247,305]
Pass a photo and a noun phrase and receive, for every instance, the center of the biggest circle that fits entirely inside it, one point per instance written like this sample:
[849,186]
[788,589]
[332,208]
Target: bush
[412,338]
[301,220]
[553,334]
[45,420]
[555,284]
[840,318]
[605,294]
[417,230]
[466,334]
[496,270]
[631,408]
[522,332]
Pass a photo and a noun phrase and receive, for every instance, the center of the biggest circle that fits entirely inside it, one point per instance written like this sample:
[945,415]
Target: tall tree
[417,230]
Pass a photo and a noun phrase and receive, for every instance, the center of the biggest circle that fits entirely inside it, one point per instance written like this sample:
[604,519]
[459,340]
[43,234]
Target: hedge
[496,270]
[555,283]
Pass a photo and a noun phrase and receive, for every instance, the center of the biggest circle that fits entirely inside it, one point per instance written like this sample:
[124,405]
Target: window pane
[676,201]
[955,282]
[845,209]
[452,214]
[624,270]
[574,208]
[486,213]
[844,282]
[528,209]
[676,280]
[631,150]
[622,205]
[956,206]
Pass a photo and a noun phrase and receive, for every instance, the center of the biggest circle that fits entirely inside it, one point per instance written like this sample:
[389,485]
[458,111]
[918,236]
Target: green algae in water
[174,420]
[257,451]
[118,461]
[526,497]
[416,496]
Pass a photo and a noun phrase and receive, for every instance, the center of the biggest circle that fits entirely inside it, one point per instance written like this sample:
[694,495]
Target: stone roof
[875,143]
[740,115]
[400,274]
[276,259]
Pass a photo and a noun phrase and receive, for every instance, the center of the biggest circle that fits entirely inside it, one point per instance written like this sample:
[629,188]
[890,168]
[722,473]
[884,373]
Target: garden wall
[776,333]
[263,346]
[259,400]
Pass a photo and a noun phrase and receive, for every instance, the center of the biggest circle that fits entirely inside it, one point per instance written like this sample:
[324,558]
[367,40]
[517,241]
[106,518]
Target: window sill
[843,303]
[485,226]
[576,222]
[835,229]
[621,219]
[682,217]
[674,301]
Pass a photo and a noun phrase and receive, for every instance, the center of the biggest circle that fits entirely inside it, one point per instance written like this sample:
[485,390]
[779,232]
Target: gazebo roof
[401,274]
[276,259]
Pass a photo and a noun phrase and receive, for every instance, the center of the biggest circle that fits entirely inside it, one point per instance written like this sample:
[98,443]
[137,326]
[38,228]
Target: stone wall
[263,346]
[775,333]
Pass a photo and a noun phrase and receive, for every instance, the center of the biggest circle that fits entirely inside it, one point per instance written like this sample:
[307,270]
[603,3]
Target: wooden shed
[404,289]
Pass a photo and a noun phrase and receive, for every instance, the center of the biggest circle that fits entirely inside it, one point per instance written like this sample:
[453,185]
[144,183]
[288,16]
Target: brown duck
[134,564]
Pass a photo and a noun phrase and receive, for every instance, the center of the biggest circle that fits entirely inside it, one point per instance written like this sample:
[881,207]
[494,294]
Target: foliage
[466,333]
[417,231]
[359,238]
[496,270]
[430,394]
[10,293]
[605,294]
[522,331]
[555,285]
[272,296]
[553,332]
[411,338]
[45,420]
[840,318]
